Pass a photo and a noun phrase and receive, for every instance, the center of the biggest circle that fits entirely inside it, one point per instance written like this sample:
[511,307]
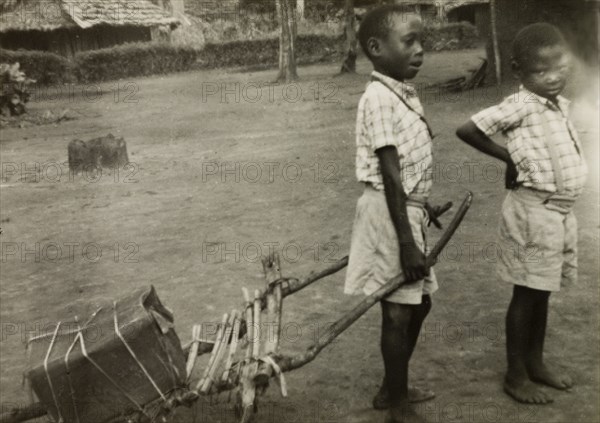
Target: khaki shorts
[375,253]
[538,246]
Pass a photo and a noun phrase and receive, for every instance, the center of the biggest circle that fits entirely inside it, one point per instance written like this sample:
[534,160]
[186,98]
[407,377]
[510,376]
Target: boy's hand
[436,211]
[510,177]
[412,261]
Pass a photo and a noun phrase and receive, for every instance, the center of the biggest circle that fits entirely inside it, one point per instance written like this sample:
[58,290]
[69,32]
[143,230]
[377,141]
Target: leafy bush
[13,89]
[46,68]
[451,36]
[265,52]
[133,59]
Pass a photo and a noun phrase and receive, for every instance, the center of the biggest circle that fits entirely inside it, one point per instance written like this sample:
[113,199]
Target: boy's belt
[560,203]
[557,202]
[414,200]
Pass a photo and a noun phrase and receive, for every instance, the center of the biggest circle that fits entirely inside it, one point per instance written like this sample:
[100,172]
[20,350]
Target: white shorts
[375,251]
[538,246]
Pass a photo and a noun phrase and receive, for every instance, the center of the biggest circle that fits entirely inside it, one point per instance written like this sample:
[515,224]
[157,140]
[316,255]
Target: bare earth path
[219,177]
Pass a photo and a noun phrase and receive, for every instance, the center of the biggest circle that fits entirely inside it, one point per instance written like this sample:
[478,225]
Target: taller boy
[546,173]
[394,161]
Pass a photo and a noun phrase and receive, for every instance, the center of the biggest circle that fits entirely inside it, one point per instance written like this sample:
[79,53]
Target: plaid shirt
[519,118]
[383,120]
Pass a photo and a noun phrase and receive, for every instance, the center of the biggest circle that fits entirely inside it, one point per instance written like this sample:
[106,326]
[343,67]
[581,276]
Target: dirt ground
[220,176]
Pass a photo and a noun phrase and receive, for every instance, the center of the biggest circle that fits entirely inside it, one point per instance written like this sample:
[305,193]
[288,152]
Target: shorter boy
[545,174]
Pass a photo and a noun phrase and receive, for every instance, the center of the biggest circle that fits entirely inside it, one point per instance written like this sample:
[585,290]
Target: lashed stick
[249,322]
[220,354]
[213,355]
[257,329]
[272,271]
[232,346]
[250,366]
[193,354]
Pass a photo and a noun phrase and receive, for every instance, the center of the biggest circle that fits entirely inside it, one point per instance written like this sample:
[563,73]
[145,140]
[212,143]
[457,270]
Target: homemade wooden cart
[125,363]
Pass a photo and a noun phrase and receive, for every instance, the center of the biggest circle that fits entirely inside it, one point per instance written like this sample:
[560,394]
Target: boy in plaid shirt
[394,161]
[545,174]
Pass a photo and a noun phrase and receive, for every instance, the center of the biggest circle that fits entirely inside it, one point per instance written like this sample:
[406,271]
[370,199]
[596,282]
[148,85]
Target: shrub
[14,92]
[265,52]
[133,59]
[46,68]
[451,36]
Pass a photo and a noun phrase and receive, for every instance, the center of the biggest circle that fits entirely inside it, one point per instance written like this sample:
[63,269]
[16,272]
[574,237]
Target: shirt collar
[403,89]
[563,103]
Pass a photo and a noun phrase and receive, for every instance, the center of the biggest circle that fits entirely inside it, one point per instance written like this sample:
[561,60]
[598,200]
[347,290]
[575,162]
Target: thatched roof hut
[68,26]
[578,20]
[443,10]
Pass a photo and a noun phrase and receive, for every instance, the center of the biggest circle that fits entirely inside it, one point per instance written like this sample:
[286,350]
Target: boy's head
[541,59]
[391,39]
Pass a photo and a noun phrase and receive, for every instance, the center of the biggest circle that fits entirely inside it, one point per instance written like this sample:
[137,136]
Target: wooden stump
[96,153]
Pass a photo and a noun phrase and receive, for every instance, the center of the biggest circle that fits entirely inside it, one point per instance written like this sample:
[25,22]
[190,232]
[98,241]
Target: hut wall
[67,42]
[465,13]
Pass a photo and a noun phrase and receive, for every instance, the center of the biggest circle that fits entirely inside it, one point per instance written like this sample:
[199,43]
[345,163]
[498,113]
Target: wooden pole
[495,45]
[350,41]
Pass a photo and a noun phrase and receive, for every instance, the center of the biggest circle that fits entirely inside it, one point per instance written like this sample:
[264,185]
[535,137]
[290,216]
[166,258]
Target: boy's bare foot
[403,414]
[541,374]
[381,401]
[526,392]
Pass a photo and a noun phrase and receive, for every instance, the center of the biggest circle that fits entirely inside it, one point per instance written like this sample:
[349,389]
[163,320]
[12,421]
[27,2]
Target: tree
[300,4]
[287,41]
[495,47]
[349,65]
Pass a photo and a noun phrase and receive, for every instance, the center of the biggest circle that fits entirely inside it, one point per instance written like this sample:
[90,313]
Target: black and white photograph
[299,211]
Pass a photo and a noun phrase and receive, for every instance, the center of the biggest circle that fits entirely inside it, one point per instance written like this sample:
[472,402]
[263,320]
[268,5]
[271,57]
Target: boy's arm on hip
[472,135]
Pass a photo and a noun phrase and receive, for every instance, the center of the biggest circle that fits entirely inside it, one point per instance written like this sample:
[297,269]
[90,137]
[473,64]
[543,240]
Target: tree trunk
[300,4]
[495,46]
[349,65]
[287,42]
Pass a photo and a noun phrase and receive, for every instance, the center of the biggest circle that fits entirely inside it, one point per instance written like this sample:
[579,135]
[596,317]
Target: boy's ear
[374,46]
[516,68]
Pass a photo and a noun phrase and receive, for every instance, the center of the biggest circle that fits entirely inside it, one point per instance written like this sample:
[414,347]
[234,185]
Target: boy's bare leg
[537,370]
[396,348]
[419,314]
[518,334]
[415,394]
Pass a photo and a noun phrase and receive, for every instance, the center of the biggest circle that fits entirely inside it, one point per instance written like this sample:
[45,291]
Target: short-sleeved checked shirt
[384,120]
[519,118]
